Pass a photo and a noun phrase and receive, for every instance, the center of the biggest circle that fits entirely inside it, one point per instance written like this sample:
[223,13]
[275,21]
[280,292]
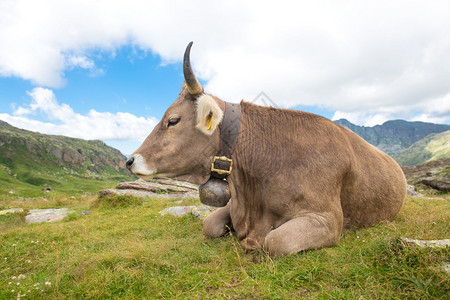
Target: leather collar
[229,130]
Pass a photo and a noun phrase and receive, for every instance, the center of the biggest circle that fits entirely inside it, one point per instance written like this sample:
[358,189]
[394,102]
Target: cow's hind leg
[218,222]
[310,231]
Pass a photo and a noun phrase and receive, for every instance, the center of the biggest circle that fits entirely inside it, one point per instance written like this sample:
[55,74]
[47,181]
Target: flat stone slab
[199,212]
[49,215]
[167,185]
[11,211]
[138,193]
[177,211]
[157,188]
[428,243]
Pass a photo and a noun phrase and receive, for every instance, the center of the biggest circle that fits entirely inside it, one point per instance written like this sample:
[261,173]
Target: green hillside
[432,147]
[32,163]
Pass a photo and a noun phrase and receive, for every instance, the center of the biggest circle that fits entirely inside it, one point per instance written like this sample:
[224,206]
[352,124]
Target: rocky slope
[394,136]
[39,159]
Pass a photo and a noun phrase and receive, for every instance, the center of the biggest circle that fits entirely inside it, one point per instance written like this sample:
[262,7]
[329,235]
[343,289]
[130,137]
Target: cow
[297,179]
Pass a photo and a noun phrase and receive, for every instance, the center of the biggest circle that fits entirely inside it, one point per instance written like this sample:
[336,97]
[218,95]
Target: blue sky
[109,69]
[130,81]
[133,82]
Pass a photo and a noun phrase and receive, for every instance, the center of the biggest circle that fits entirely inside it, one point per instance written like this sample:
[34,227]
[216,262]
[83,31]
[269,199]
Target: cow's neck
[215,191]
[229,131]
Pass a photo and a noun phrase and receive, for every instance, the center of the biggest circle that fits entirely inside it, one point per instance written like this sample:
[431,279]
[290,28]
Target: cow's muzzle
[137,165]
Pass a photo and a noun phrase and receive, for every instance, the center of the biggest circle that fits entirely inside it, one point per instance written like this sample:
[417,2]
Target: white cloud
[374,59]
[433,110]
[21,111]
[365,119]
[64,121]
[80,61]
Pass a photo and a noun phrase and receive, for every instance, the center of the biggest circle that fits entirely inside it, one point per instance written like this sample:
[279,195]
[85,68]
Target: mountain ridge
[395,135]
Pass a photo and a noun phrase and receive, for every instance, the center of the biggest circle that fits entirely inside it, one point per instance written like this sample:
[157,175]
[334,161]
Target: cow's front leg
[310,231]
[218,222]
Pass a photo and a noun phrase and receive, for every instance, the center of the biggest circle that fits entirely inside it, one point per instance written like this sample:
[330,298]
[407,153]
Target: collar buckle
[222,168]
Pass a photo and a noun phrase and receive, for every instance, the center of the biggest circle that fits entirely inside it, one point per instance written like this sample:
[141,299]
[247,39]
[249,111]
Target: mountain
[30,160]
[394,136]
[3,123]
[433,147]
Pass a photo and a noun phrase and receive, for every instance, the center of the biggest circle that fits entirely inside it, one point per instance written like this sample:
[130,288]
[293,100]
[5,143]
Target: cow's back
[374,187]
[308,160]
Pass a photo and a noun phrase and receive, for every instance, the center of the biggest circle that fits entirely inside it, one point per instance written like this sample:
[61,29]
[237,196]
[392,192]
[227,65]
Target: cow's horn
[194,87]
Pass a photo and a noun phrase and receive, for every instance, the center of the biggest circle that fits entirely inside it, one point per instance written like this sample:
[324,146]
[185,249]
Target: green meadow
[124,249]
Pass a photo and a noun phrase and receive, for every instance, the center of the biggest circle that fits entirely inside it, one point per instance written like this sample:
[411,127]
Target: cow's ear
[209,114]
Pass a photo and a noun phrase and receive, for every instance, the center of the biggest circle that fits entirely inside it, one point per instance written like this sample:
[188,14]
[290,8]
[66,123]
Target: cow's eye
[173,121]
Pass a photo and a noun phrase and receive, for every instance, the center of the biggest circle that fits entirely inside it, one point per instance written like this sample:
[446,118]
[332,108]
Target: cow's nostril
[130,163]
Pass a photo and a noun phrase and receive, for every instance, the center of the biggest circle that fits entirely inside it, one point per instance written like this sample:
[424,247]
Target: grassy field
[63,182]
[124,249]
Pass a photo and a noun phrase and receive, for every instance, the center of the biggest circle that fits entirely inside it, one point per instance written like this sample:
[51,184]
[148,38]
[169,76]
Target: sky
[109,69]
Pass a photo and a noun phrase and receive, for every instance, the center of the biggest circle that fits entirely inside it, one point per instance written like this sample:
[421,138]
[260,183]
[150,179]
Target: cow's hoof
[250,244]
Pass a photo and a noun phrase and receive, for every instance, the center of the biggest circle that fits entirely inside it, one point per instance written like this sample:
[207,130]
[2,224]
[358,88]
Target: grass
[131,252]
[117,201]
[61,182]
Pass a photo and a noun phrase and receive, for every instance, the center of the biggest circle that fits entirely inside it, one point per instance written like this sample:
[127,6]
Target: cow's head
[184,142]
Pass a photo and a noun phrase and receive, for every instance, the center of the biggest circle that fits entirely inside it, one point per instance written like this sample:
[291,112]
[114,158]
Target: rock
[11,211]
[169,181]
[437,184]
[410,190]
[177,211]
[136,193]
[428,243]
[202,211]
[199,212]
[57,152]
[87,212]
[433,174]
[3,123]
[8,170]
[447,268]
[72,156]
[46,215]
[157,188]
[153,187]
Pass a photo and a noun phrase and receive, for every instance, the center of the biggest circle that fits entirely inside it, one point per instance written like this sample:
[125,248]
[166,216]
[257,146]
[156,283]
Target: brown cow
[298,179]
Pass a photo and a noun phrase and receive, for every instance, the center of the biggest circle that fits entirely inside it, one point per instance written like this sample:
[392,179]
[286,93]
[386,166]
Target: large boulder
[157,188]
[434,174]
